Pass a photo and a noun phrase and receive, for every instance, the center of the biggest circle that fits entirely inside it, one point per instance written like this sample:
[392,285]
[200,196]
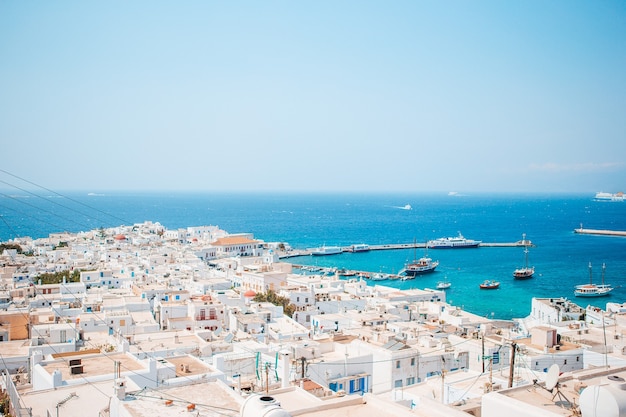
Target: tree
[271,297]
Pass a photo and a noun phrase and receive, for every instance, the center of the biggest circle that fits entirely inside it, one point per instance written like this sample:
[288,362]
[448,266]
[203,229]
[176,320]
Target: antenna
[552,383]
[552,378]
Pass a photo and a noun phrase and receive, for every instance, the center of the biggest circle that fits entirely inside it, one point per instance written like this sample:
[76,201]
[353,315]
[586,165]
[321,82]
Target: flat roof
[93,397]
[93,365]
[210,398]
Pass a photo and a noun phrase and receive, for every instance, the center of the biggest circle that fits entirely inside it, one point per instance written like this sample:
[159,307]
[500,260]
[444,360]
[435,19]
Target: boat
[378,276]
[456,242]
[326,250]
[419,266]
[489,285]
[610,196]
[526,271]
[443,285]
[359,247]
[591,289]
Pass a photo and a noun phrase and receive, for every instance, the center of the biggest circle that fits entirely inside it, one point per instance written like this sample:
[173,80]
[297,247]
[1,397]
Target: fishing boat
[419,266]
[591,289]
[527,271]
[489,285]
[457,242]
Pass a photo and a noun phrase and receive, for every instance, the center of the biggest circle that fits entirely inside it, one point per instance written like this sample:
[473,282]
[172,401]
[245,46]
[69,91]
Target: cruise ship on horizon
[602,196]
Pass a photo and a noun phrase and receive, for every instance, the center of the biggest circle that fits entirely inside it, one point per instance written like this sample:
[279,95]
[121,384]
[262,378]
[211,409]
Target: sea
[306,220]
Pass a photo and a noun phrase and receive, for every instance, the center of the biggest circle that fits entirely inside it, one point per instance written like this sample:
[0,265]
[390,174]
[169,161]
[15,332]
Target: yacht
[453,243]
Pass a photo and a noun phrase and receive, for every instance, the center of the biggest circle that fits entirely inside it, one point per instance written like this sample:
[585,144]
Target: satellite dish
[553,377]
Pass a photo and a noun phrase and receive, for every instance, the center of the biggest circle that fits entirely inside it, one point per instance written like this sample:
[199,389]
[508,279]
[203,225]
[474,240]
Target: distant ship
[457,242]
[610,196]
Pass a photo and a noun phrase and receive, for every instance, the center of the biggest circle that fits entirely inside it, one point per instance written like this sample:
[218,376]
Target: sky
[360,96]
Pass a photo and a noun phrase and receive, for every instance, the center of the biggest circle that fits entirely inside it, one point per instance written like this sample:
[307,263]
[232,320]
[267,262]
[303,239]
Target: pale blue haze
[403,96]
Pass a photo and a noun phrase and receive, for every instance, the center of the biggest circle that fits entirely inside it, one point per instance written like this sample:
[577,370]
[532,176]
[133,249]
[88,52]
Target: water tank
[262,406]
[603,401]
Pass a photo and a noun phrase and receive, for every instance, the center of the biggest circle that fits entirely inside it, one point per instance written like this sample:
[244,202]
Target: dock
[412,245]
[600,232]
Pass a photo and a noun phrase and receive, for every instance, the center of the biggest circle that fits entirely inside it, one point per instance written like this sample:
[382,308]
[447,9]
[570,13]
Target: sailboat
[419,266]
[591,289]
[525,272]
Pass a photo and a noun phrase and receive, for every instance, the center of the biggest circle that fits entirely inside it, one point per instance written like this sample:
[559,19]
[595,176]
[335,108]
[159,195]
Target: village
[203,322]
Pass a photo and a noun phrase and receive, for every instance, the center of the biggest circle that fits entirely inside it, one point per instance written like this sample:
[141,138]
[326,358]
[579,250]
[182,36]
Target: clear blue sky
[464,96]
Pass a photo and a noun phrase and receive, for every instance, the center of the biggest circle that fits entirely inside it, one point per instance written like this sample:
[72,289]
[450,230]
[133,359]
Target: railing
[14,397]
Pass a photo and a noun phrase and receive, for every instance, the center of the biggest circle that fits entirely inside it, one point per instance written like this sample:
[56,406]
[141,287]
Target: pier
[600,232]
[412,245]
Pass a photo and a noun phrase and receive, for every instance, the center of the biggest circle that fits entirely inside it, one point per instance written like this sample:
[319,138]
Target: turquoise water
[560,256]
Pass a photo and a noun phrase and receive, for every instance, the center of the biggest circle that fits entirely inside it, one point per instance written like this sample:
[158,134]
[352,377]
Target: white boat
[591,289]
[360,247]
[610,196]
[378,276]
[443,285]
[326,250]
[525,272]
[457,242]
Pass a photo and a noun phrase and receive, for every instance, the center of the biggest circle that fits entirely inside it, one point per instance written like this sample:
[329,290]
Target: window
[397,383]
[410,381]
[397,364]
[412,361]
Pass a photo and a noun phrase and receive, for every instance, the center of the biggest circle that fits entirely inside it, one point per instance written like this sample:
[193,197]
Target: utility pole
[482,338]
[267,378]
[512,370]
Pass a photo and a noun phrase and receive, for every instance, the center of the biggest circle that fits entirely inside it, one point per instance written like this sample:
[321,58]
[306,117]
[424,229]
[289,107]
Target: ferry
[457,242]
[326,250]
[610,196]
